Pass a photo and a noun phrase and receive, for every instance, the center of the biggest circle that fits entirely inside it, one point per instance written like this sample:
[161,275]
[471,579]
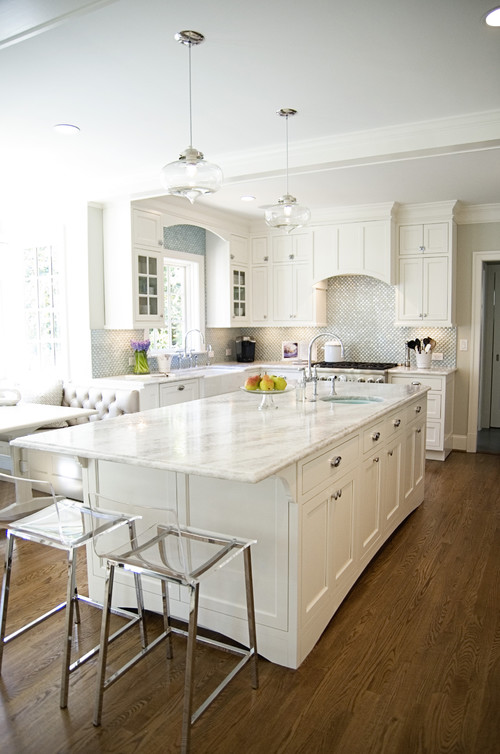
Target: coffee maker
[245,348]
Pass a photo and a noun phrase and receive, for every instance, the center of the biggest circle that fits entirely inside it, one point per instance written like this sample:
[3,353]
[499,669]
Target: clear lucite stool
[182,555]
[65,525]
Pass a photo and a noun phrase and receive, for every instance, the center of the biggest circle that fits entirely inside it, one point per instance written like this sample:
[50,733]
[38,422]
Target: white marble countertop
[439,371]
[225,436]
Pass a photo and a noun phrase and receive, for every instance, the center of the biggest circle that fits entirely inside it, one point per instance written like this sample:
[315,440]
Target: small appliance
[245,348]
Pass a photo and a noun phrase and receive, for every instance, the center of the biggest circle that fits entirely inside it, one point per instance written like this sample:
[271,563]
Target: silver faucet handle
[332,386]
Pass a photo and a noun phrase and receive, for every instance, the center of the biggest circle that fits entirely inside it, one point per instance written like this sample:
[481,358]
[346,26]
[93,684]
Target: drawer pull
[376,459]
[335,461]
[375,436]
[416,383]
[390,452]
[181,387]
[418,409]
[419,430]
[396,422]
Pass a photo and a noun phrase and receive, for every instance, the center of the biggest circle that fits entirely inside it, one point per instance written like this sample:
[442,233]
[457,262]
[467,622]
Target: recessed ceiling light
[67,129]
[247,198]
[492,18]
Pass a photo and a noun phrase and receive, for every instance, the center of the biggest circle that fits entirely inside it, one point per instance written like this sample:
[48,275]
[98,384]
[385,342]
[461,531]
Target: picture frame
[289,350]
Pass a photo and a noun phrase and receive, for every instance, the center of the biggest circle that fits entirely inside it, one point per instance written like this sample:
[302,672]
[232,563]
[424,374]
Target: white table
[20,420]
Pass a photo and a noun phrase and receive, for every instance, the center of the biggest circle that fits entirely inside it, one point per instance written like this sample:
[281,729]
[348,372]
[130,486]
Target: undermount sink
[351,399]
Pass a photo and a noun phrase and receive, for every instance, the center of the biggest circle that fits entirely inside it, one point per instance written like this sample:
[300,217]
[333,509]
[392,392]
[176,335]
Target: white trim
[478,259]
[468,214]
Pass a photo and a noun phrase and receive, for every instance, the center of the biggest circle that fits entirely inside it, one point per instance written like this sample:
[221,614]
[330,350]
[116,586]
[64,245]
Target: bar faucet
[194,329]
[313,377]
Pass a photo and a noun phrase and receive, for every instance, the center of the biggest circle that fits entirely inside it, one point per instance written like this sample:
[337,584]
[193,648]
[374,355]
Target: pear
[252,383]
[279,383]
[266,383]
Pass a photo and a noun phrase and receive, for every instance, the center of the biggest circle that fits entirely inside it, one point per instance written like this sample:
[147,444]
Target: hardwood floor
[410,664]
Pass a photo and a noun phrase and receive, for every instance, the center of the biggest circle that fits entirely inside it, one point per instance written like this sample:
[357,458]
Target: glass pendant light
[191,175]
[287,213]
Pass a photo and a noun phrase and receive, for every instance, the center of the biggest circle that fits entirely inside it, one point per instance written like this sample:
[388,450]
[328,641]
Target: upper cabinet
[426,271]
[147,229]
[228,281]
[133,267]
[354,248]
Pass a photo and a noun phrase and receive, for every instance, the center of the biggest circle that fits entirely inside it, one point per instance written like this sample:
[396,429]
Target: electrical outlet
[130,361]
[228,352]
[437,357]
[463,345]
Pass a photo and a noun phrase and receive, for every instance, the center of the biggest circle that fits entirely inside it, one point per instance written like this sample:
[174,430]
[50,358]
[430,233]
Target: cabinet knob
[421,248]
[335,461]
[396,422]
[375,437]
[418,409]
[291,256]
[390,452]
[160,243]
[266,259]
[419,429]
[181,387]
[231,256]
[376,459]
[265,316]
[416,383]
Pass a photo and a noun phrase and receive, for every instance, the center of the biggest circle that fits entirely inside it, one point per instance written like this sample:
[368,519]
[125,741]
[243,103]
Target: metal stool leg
[71,600]
[166,618]
[103,652]
[252,633]
[190,662]
[5,593]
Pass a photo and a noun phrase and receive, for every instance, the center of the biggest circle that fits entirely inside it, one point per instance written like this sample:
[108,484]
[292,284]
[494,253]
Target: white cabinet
[426,282]
[147,229]
[425,238]
[238,249]
[414,456]
[261,294]
[369,514]
[440,398]
[295,299]
[228,289]
[259,249]
[292,247]
[148,288]
[179,392]
[356,248]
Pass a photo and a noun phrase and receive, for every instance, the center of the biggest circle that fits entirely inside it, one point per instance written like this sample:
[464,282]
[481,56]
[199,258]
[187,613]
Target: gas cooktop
[339,365]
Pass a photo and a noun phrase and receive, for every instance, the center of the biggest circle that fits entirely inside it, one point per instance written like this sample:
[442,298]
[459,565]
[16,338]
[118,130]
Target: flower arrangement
[140,347]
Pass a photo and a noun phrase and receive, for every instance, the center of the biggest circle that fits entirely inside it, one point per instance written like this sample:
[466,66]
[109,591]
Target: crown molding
[469,214]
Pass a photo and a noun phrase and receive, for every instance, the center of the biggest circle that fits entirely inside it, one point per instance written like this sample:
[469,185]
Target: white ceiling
[397,100]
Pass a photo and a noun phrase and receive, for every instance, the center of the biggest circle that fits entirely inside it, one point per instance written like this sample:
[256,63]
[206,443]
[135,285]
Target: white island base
[318,523]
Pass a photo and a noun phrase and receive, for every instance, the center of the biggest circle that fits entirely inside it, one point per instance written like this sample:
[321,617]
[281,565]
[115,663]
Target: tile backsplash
[360,310]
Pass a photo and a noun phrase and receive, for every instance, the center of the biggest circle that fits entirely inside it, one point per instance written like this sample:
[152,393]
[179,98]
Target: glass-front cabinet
[239,296]
[149,287]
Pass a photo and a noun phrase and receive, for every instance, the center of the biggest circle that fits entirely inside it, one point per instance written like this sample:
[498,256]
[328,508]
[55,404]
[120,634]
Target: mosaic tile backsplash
[360,310]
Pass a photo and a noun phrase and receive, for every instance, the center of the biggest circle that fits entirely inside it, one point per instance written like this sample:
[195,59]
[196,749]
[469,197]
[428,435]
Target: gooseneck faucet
[194,329]
[313,376]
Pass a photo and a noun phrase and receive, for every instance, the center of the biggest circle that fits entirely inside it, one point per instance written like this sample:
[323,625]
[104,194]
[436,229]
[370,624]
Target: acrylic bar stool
[182,555]
[65,525]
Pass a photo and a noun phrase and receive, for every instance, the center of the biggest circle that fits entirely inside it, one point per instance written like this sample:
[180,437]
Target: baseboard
[460,442]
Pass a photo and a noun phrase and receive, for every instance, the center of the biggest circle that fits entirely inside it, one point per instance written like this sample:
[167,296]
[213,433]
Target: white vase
[423,359]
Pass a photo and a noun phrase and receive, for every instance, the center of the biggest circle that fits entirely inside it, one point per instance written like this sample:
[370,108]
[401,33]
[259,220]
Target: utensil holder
[423,359]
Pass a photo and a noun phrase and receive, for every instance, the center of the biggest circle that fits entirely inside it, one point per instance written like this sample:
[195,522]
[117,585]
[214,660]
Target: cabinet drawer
[323,468]
[434,402]
[374,437]
[395,423]
[416,410]
[435,383]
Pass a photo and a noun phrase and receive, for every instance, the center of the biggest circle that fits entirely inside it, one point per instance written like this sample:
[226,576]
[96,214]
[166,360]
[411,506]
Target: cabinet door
[290,247]
[377,250]
[303,293]
[238,249]
[325,252]
[436,298]
[179,392]
[283,293]
[148,293]
[414,461]
[147,229]
[369,531]
[392,481]
[260,294]
[239,295]
[260,250]
[430,238]
[410,289]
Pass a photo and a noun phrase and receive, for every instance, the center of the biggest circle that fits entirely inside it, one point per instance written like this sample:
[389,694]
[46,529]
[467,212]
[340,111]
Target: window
[43,307]
[183,288]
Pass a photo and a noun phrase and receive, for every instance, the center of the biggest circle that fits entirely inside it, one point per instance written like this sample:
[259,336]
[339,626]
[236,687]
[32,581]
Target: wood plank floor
[410,664]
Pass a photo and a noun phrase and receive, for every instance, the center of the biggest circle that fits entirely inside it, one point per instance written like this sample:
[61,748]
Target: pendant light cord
[190,104]
[286,130]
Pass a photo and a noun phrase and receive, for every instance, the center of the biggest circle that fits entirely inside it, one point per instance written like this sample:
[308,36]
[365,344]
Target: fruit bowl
[267,396]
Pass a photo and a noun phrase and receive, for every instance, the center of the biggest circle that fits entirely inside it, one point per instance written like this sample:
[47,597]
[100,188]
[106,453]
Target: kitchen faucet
[313,377]
[194,329]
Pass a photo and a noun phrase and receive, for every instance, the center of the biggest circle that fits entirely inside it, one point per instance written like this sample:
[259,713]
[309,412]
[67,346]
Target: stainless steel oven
[354,371]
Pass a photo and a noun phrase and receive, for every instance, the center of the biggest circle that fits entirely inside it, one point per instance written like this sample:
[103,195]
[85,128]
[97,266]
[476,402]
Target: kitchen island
[320,486]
